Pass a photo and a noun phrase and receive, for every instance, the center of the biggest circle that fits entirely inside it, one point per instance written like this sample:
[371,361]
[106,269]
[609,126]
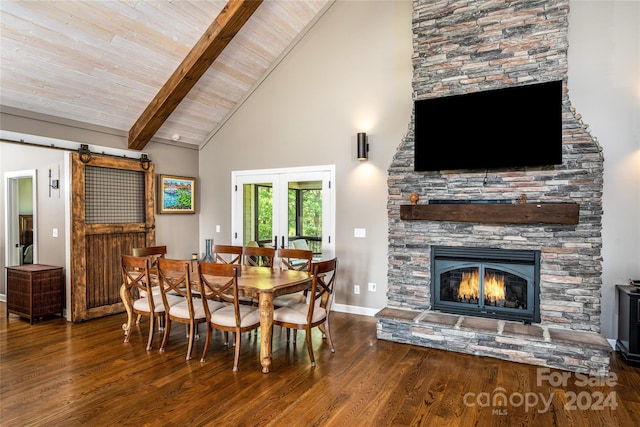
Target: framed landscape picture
[176,194]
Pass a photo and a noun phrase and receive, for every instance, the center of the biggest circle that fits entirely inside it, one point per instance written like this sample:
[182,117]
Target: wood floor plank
[56,373]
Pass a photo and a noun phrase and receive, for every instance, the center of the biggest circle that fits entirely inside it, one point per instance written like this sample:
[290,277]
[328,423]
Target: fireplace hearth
[486,282]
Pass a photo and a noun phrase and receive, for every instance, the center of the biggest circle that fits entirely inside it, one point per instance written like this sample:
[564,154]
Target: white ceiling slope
[102,62]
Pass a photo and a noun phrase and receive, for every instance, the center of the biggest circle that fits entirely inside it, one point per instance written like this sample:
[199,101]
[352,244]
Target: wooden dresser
[35,290]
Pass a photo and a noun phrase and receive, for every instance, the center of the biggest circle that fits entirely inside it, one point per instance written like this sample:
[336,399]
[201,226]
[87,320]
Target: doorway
[21,237]
[112,206]
[291,207]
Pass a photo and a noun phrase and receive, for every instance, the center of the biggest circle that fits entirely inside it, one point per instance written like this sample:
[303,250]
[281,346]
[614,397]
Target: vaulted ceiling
[109,63]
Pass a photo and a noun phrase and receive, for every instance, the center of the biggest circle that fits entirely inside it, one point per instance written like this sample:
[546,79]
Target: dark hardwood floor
[55,373]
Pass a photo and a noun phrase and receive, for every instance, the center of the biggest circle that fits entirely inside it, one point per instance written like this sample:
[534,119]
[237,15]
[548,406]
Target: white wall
[604,86]
[351,73]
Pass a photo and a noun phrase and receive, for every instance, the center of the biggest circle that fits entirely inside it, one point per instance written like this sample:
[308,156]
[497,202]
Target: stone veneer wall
[467,46]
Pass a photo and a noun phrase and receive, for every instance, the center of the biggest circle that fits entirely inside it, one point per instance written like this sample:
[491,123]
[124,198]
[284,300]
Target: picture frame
[176,194]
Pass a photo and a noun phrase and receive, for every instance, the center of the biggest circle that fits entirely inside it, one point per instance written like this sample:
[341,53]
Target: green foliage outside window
[304,217]
[265,215]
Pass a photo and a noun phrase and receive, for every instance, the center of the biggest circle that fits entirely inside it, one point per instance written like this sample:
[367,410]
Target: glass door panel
[284,209]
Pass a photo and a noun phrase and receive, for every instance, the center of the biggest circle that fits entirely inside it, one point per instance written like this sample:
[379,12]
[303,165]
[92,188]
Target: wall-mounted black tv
[512,127]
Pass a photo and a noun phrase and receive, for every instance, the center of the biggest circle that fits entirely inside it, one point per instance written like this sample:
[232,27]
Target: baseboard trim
[353,309]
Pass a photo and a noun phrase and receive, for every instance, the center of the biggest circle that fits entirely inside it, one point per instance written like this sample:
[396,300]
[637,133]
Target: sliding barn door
[112,213]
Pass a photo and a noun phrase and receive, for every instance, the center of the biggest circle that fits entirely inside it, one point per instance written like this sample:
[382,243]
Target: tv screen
[503,128]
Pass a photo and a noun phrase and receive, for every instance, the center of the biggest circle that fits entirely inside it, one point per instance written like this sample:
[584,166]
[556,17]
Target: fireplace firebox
[486,282]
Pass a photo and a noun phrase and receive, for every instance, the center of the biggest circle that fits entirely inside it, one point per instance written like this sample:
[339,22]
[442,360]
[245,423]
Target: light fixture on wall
[363,146]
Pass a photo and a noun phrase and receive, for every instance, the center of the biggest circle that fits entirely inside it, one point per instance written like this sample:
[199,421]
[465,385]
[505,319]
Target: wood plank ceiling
[102,63]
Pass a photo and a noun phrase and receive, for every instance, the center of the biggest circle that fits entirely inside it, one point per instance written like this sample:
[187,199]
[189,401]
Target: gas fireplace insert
[487,282]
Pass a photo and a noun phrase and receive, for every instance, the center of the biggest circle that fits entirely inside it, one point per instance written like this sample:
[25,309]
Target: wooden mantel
[495,213]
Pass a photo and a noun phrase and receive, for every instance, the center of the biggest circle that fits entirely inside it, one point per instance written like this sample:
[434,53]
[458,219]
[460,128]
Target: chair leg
[138,319]
[152,326]
[309,345]
[167,330]
[236,357]
[328,334]
[206,343]
[191,337]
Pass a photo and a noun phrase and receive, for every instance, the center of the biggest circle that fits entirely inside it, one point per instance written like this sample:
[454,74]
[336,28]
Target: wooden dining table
[262,284]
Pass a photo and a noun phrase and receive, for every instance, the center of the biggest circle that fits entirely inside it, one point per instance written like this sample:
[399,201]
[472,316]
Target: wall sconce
[54,183]
[363,146]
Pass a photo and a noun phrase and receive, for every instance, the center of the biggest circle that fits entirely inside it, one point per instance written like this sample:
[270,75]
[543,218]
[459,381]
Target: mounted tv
[503,128]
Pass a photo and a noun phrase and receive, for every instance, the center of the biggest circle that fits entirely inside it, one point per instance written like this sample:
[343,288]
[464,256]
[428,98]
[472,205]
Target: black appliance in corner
[628,343]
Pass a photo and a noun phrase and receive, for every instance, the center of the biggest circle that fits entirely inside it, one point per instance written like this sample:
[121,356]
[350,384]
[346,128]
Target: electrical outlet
[359,232]
[372,287]
[55,232]
[356,289]
[217,228]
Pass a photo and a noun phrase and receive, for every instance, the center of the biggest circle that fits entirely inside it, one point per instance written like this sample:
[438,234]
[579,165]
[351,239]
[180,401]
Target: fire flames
[493,287]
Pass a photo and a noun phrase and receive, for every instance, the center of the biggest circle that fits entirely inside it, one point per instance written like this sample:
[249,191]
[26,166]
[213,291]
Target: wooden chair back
[218,282]
[258,257]
[151,252]
[295,259]
[324,279]
[135,277]
[174,276]
[227,254]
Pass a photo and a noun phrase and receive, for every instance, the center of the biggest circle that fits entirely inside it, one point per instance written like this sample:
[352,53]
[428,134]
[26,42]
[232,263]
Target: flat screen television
[504,128]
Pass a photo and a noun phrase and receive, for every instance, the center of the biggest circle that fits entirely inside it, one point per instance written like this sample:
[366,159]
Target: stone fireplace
[468,46]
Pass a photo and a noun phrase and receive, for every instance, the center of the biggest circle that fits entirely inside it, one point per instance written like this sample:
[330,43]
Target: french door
[285,208]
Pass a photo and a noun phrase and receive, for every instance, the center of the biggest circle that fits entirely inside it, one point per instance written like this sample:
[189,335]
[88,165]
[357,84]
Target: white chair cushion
[297,313]
[156,291]
[142,304]
[289,299]
[226,317]
[182,309]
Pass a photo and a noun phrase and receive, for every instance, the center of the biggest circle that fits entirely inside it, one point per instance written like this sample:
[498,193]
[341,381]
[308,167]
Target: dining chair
[175,278]
[314,312]
[152,253]
[293,259]
[227,254]
[220,282]
[137,287]
[299,244]
[258,256]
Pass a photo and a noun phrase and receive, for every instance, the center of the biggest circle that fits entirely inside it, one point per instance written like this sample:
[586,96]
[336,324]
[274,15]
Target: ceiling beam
[226,25]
